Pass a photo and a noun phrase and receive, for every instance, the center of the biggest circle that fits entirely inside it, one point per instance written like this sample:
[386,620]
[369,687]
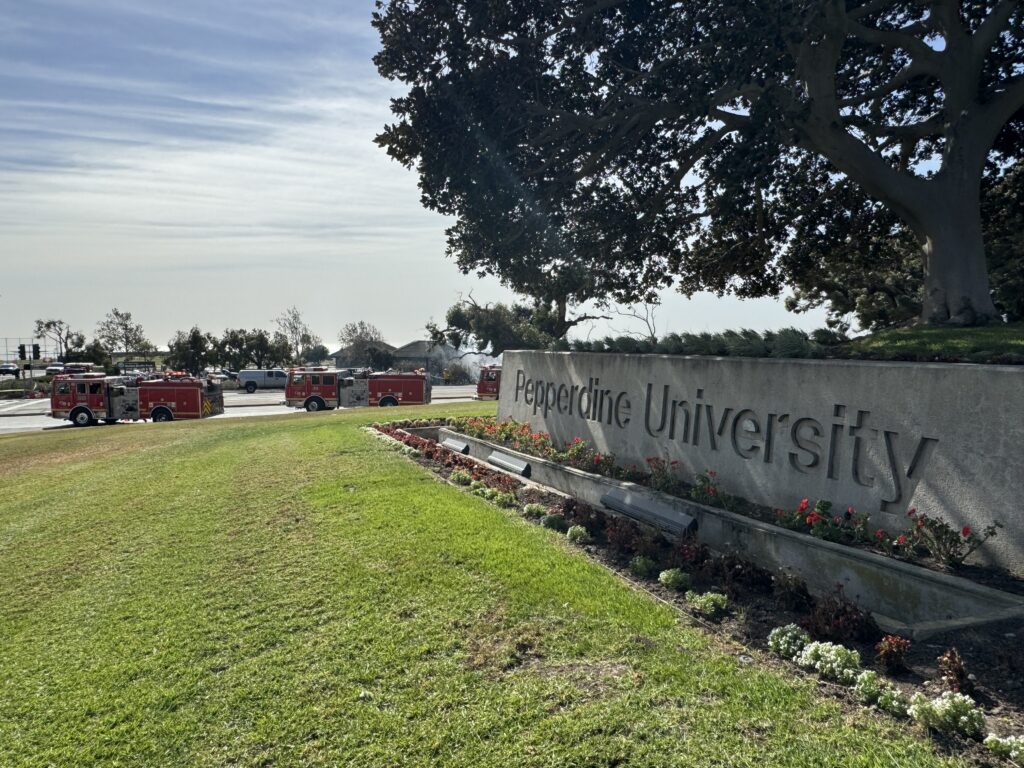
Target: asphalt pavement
[31,415]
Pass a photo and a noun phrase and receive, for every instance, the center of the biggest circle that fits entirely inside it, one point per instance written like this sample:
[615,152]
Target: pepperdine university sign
[880,437]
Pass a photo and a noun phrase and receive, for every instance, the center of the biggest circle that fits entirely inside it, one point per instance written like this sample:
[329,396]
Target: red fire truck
[87,398]
[490,383]
[321,388]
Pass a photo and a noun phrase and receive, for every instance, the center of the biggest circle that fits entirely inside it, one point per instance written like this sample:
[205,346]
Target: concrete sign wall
[881,437]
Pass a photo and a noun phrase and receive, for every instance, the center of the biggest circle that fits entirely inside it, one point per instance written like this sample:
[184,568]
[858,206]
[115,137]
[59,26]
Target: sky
[212,164]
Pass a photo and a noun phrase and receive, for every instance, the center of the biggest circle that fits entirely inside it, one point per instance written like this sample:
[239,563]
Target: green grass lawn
[983,344]
[286,591]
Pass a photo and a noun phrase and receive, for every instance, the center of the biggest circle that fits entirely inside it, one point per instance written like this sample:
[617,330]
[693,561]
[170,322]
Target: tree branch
[901,78]
[994,115]
[933,126]
[993,25]
[896,39]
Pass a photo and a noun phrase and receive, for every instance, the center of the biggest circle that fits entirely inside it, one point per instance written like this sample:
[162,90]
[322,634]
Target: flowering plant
[945,543]
[891,652]
[706,490]
[831,661]
[675,578]
[893,701]
[1011,747]
[577,534]
[662,477]
[950,712]
[788,641]
[710,604]
[868,687]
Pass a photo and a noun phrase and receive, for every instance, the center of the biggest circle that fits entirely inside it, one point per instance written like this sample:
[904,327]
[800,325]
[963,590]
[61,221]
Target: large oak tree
[606,148]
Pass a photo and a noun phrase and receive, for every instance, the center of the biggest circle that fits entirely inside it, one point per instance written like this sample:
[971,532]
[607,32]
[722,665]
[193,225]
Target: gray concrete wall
[880,437]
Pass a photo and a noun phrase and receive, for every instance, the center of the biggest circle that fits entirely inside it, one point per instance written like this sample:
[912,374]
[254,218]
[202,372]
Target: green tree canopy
[118,332]
[606,148]
[61,334]
[490,329]
[191,351]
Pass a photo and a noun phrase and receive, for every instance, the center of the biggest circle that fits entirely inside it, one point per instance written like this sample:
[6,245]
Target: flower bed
[926,541]
[904,598]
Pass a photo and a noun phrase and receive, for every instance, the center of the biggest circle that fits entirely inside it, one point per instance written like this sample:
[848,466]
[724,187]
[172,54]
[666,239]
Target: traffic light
[35,351]
[21,352]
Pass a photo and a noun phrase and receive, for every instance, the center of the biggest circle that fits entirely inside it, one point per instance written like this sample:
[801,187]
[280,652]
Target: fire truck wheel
[162,414]
[387,402]
[81,418]
[250,387]
[315,404]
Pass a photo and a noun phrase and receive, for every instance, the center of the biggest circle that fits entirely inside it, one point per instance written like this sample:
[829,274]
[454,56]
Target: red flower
[912,511]
[803,506]
[901,539]
[712,491]
[712,473]
[813,518]
[879,534]
[966,531]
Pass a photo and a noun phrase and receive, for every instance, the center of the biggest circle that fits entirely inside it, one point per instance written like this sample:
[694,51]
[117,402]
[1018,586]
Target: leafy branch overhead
[607,148]
[493,328]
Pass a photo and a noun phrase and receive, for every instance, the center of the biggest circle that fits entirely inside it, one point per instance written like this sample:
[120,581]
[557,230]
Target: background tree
[191,351]
[358,339]
[299,336]
[233,348]
[269,351]
[630,143]
[379,358]
[61,334]
[239,348]
[490,329]
[93,352]
[119,333]
[316,353]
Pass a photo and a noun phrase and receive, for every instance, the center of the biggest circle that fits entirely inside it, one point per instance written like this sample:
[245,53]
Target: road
[30,415]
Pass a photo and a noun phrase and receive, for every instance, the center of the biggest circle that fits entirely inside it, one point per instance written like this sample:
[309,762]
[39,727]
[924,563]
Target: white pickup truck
[252,379]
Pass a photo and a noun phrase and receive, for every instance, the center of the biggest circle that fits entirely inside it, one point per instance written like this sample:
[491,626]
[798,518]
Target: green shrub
[831,661]
[505,499]
[792,342]
[477,485]
[675,578]
[788,641]
[577,534]
[460,478]
[745,343]
[710,604]
[949,713]
[868,687]
[893,701]
[1011,747]
[535,511]
[554,522]
[643,567]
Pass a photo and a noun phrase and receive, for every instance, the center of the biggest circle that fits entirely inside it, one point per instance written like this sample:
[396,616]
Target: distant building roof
[423,349]
[378,344]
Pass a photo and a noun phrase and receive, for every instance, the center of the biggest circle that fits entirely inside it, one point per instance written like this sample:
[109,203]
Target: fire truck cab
[322,388]
[489,384]
[87,398]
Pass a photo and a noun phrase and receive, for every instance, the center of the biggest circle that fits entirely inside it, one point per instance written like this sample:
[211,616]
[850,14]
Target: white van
[252,379]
